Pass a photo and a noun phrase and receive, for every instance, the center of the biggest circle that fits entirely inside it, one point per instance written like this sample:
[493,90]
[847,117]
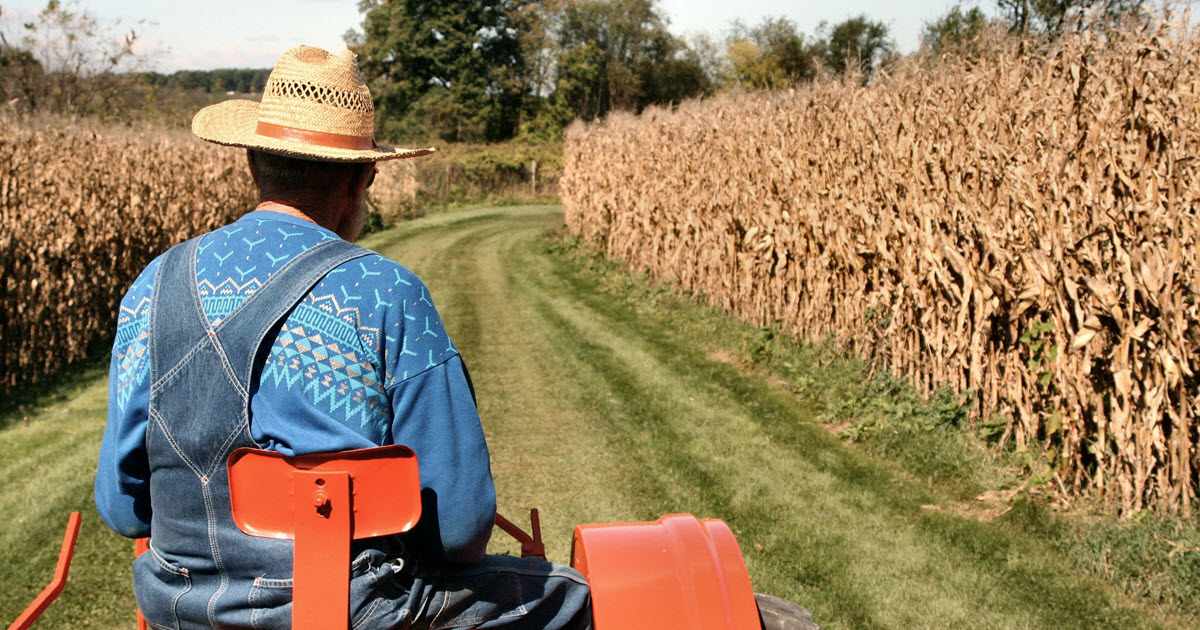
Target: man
[275,332]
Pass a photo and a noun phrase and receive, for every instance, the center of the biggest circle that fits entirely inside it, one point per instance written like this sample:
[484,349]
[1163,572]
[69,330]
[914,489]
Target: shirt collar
[272,215]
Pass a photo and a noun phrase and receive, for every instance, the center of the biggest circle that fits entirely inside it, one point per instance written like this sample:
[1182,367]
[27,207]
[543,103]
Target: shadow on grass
[27,400]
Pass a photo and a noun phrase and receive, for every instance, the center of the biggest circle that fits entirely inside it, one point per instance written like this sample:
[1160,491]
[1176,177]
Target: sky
[191,35]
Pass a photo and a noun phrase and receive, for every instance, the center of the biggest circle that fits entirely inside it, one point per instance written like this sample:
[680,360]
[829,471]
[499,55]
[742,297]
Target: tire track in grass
[673,438]
[663,483]
[1032,573]
[538,443]
[935,543]
[671,478]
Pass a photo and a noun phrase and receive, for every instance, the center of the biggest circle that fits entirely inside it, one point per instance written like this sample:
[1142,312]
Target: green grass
[606,398]
[49,458]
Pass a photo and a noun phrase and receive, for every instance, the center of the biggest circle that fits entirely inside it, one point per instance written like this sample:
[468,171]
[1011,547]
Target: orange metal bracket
[59,580]
[141,546]
[321,591]
[322,501]
[530,545]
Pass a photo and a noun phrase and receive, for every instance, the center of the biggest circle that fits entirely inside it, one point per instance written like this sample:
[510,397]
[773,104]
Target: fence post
[533,176]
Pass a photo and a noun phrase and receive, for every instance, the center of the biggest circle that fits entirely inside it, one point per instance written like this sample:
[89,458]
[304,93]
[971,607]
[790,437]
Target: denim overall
[201,571]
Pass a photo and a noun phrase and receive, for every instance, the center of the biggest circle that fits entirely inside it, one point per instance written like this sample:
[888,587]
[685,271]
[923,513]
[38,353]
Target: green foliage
[580,89]
[752,68]
[544,121]
[1042,351]
[219,81]
[451,70]
[883,412]
[1052,18]
[465,174]
[771,54]
[1150,556]
[957,31]
[618,54]
[859,44]
[870,402]
[890,417]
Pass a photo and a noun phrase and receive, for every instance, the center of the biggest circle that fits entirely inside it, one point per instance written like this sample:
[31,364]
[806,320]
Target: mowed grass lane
[602,408]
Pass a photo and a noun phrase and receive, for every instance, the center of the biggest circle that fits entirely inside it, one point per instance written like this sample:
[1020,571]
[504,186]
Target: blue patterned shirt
[362,361]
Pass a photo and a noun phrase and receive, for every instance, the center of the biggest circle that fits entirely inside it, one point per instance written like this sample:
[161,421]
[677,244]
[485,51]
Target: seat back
[323,501]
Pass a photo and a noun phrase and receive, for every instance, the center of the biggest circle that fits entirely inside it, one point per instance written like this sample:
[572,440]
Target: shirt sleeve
[435,415]
[122,485]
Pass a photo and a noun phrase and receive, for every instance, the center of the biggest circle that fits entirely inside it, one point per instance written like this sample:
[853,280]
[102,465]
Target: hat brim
[233,123]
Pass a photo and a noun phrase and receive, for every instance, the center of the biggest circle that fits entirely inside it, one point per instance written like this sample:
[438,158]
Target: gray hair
[303,182]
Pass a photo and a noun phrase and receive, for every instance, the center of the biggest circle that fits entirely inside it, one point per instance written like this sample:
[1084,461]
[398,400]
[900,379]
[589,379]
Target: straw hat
[315,106]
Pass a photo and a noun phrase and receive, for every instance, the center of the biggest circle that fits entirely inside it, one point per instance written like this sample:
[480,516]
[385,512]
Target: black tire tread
[779,614]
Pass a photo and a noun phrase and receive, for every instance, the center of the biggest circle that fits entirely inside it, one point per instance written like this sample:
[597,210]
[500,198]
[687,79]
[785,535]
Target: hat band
[318,138]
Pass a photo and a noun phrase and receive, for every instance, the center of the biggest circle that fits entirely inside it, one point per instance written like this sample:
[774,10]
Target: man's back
[367,327]
[361,360]
[237,340]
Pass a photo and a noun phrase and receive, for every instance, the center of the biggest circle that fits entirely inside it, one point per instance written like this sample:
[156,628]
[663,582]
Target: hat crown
[314,90]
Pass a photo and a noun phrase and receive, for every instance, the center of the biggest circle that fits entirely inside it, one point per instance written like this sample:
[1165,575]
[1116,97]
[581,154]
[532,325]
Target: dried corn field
[1023,228]
[83,210]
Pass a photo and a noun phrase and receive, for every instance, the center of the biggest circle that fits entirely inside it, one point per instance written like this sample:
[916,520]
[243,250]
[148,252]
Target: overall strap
[177,323]
[242,333]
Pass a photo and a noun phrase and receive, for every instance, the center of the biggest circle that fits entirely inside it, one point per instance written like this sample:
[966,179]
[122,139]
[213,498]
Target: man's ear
[358,185]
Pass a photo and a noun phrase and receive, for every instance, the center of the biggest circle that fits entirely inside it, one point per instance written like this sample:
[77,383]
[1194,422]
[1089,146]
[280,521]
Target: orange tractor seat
[679,572]
[323,501]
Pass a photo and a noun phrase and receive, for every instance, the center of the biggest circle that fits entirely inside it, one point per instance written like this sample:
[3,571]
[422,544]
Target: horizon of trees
[488,70]
[494,70]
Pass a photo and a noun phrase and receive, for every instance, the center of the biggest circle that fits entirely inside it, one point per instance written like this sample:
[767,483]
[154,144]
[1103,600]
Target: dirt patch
[985,507]
[724,356]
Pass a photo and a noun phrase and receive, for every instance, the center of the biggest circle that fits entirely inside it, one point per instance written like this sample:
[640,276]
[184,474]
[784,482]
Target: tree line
[219,81]
[491,70]
[494,70]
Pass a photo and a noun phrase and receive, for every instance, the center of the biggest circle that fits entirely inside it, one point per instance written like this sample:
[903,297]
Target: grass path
[603,408]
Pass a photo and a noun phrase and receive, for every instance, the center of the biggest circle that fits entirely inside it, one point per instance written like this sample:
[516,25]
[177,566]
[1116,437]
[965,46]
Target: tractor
[676,573]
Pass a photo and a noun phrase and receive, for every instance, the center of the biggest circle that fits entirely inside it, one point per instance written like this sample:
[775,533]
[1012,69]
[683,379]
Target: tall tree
[1051,18]
[618,54]
[66,60]
[858,44]
[452,68]
[784,54]
[955,32]
[708,51]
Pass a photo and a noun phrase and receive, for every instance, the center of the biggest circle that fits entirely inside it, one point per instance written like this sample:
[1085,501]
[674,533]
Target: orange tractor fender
[677,572]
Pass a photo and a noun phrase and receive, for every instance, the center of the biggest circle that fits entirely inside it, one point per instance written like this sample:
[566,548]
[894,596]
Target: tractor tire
[780,614]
